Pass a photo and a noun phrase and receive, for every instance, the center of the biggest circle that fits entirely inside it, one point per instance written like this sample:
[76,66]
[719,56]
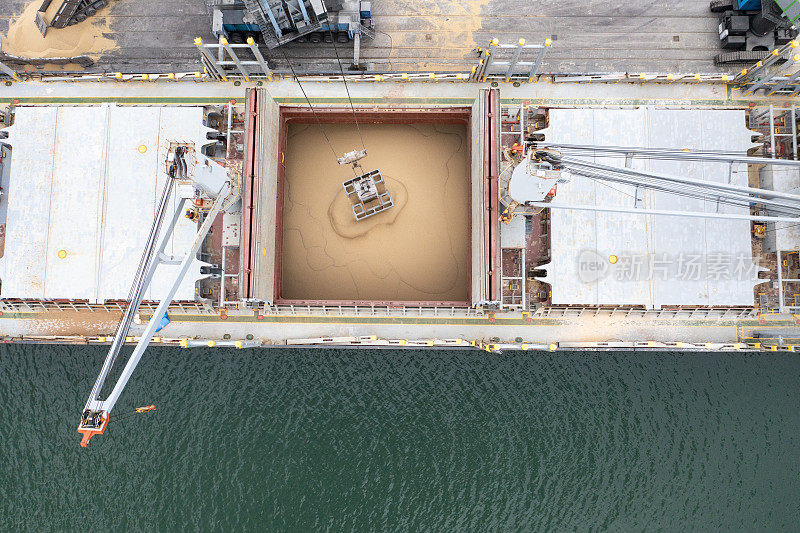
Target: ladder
[282,21]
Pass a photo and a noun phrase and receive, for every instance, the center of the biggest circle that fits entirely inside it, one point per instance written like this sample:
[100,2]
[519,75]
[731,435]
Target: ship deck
[272,325]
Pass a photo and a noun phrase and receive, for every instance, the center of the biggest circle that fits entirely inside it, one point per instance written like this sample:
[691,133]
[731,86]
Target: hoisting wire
[294,74]
[136,293]
[346,88]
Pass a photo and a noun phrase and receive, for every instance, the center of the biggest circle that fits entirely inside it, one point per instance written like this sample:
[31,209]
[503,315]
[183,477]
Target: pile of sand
[81,323]
[86,38]
[417,250]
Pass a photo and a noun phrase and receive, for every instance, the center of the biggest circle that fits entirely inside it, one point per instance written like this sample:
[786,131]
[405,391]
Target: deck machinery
[278,22]
[748,29]
[187,171]
[69,12]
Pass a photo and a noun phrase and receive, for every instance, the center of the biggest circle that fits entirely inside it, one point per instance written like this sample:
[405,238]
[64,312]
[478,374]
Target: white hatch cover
[602,258]
[81,196]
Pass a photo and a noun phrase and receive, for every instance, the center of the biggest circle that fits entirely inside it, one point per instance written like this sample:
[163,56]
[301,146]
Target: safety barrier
[710,313]
[220,67]
[205,76]
[42,306]
[496,346]
[360,77]
[779,72]
[513,67]
[643,77]
[493,346]
[388,311]
[497,63]
[516,63]
[372,340]
[370,310]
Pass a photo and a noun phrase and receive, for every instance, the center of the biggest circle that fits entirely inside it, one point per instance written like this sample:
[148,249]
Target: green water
[304,440]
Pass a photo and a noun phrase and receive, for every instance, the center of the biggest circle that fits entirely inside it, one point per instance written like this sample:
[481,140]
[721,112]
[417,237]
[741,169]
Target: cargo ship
[500,208]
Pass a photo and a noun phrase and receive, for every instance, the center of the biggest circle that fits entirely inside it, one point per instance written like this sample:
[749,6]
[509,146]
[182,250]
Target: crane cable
[294,74]
[346,88]
[311,107]
[135,295]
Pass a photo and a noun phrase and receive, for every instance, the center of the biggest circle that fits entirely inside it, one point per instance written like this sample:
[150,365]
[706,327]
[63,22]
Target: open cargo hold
[265,177]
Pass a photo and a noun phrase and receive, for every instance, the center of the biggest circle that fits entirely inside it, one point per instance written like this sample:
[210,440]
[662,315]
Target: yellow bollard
[553,347]
[211,344]
[198,41]
[548,41]
[238,344]
[184,343]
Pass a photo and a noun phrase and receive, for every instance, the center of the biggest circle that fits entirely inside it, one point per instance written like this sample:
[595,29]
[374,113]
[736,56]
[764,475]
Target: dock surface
[593,36]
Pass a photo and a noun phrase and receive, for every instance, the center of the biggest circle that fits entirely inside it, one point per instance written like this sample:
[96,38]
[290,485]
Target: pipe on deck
[248,198]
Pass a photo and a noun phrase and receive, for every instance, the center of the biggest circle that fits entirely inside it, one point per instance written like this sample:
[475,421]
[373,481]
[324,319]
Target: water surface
[312,439]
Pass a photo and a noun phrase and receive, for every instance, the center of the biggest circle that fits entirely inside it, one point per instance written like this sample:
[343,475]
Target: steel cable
[135,295]
[319,123]
[346,88]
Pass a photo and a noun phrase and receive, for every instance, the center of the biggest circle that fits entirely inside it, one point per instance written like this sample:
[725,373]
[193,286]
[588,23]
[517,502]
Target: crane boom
[212,179]
[535,180]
